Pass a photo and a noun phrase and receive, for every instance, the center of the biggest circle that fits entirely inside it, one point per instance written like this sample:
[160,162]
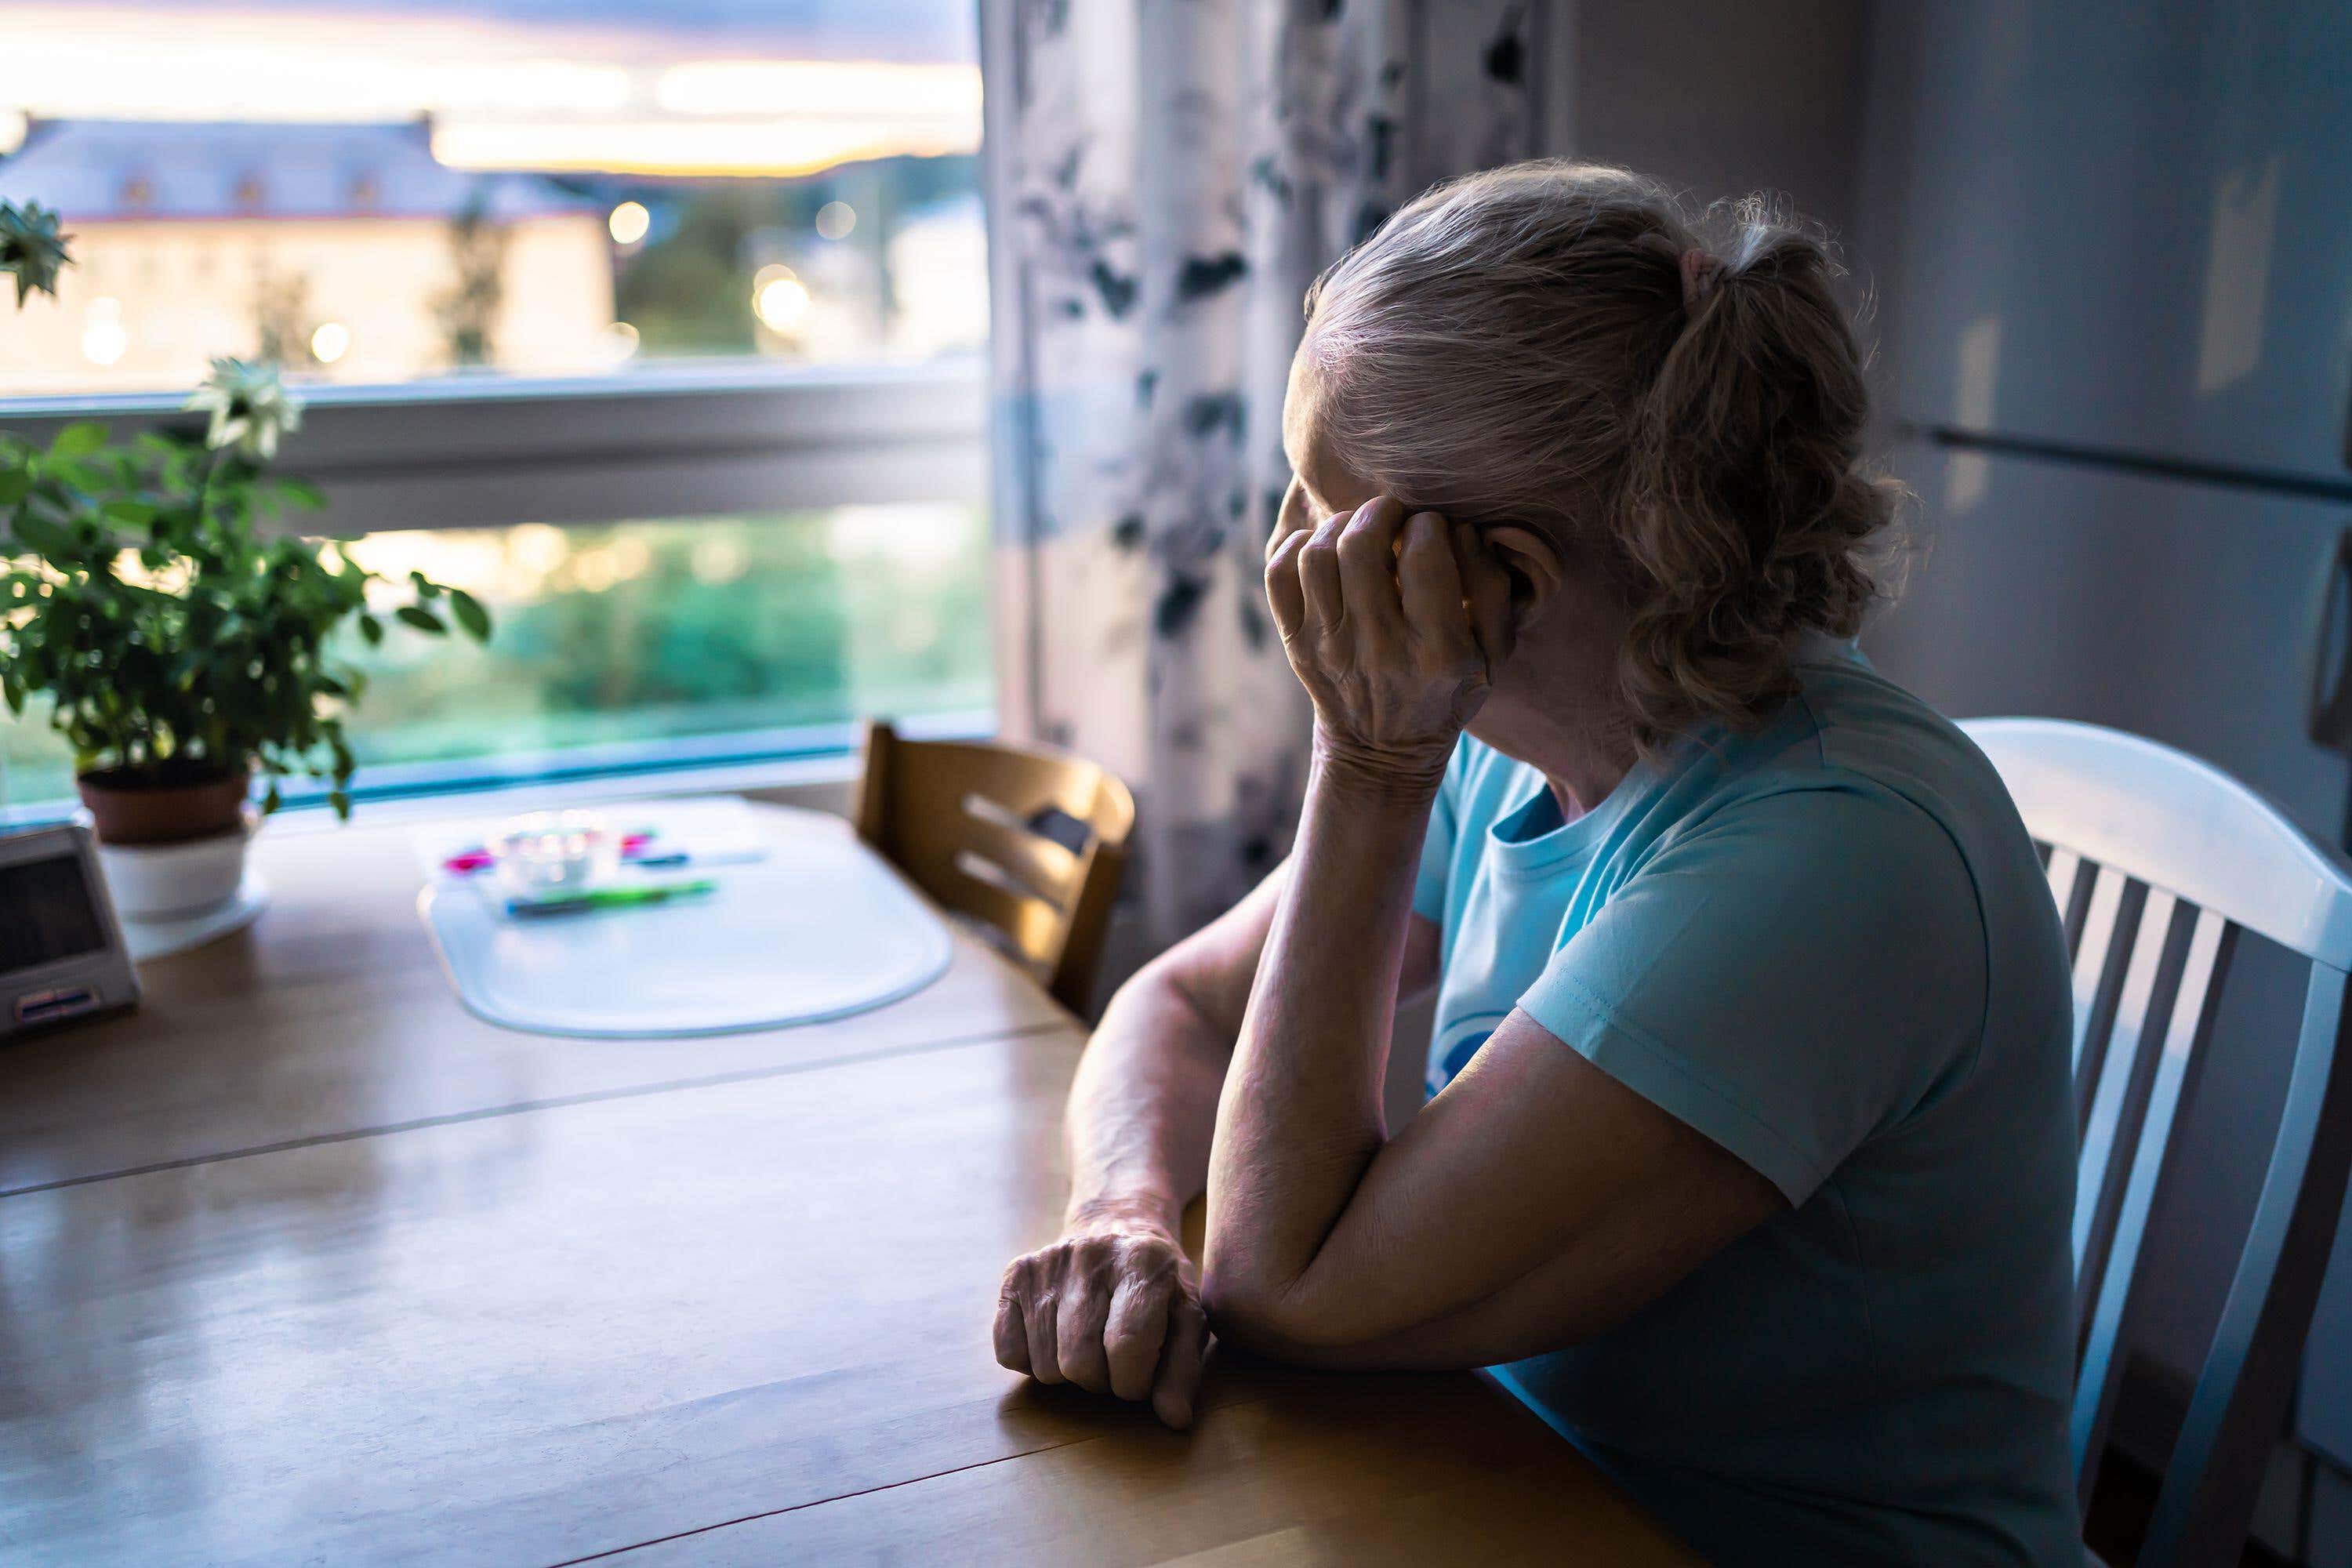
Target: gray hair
[1526,346]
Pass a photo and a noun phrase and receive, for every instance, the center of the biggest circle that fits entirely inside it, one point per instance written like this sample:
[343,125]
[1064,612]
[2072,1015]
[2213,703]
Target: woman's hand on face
[1395,626]
[1112,1305]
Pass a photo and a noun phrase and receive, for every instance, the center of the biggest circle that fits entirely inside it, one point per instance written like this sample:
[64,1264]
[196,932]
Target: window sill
[816,770]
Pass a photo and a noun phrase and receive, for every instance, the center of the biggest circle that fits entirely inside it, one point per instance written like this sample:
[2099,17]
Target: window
[542,271]
[652,645]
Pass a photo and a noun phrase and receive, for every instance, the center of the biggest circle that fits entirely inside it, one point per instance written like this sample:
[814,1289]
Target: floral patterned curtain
[1165,179]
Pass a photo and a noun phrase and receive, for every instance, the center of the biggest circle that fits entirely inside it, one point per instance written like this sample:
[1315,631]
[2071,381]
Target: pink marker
[465,862]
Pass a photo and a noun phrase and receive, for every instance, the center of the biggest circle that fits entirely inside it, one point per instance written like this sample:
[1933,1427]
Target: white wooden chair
[2158,860]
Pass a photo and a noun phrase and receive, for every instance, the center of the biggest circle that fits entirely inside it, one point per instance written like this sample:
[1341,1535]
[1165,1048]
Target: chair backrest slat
[2070,888]
[2156,861]
[2103,949]
[2142,1004]
[1036,865]
[2160,1082]
[1028,842]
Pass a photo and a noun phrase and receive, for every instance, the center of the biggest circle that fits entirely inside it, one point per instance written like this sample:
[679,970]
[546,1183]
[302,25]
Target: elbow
[1270,1318]
[1240,1312]
[1177,979]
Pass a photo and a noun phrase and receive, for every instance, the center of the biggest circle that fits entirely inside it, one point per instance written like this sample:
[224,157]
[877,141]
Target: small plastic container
[549,853]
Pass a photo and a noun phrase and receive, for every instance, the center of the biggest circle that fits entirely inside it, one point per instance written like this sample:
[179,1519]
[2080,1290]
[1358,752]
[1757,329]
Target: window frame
[662,443]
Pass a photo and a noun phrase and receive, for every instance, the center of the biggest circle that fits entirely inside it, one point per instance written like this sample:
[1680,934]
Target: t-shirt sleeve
[1429,884]
[1787,977]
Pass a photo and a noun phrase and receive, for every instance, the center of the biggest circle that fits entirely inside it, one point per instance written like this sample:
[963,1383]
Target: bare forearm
[1393,625]
[1145,1101]
[1300,1117]
[1111,1303]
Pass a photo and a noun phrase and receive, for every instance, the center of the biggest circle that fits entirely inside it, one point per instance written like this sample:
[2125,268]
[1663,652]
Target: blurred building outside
[344,250]
[350,253]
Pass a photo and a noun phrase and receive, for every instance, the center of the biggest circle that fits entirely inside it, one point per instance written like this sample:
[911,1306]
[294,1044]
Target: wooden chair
[1028,841]
[2158,860]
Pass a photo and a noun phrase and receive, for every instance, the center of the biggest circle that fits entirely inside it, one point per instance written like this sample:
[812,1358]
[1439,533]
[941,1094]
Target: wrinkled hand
[1113,1306]
[1395,627]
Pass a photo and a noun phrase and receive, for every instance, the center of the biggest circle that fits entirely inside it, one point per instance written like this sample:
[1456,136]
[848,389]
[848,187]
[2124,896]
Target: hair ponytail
[1743,501]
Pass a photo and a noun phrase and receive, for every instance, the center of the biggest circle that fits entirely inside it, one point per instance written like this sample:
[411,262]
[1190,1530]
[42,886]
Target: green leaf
[426,588]
[302,492]
[341,799]
[470,615]
[47,539]
[422,619]
[235,658]
[273,800]
[77,440]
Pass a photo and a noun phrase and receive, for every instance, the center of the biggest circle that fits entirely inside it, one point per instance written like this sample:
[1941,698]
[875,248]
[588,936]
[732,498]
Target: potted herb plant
[182,647]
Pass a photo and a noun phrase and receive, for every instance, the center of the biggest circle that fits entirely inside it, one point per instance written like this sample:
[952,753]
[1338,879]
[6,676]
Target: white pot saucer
[149,938]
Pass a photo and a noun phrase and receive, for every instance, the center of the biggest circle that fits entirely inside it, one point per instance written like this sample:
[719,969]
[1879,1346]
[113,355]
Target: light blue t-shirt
[1829,947]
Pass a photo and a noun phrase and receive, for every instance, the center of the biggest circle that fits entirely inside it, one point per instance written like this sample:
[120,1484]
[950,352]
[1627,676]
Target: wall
[1724,98]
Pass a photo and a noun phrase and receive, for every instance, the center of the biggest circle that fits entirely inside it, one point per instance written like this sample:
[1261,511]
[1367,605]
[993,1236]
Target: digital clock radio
[61,951]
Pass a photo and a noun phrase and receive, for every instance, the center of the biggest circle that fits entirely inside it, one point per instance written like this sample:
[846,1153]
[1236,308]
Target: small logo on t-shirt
[1455,1042]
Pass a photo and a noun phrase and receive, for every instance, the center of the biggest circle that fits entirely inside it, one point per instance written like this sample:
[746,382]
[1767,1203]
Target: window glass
[382,190]
[647,644]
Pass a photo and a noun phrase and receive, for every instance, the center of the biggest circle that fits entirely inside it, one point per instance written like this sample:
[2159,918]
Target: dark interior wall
[1722,97]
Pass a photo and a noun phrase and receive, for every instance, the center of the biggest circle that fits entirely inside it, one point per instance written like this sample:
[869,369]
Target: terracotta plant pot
[166,806]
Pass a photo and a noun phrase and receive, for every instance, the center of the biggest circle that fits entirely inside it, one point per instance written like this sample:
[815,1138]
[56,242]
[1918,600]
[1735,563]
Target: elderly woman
[1749,1153]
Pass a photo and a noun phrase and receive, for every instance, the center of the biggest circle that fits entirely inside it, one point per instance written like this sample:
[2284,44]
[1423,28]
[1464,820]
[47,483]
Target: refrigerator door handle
[2328,713]
[2328,640]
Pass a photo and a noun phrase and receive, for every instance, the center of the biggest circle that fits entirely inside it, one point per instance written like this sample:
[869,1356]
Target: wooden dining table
[301,1263]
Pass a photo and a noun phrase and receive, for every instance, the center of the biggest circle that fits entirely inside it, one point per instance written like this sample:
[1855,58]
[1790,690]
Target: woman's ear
[1533,565]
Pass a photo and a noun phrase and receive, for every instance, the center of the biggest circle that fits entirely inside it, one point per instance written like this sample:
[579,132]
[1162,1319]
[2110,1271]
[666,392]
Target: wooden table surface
[303,1263]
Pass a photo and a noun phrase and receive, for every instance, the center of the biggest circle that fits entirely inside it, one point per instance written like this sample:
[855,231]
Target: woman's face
[1320,483]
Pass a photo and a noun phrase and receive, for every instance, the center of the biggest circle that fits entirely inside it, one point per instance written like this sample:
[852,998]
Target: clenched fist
[1112,1305]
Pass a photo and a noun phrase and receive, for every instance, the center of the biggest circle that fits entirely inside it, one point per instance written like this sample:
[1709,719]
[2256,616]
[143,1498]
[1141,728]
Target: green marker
[609,898]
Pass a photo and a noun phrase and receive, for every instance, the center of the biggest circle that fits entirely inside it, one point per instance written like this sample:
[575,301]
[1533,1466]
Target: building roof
[97,171]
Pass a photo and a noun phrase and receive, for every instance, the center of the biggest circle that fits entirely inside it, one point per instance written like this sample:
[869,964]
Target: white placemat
[816,926]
